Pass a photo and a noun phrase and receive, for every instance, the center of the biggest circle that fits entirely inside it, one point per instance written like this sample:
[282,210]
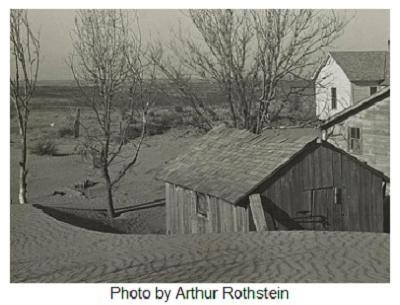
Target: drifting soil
[137,220]
[46,250]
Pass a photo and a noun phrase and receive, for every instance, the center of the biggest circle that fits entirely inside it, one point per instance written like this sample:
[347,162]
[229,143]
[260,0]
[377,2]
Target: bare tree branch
[25,57]
[108,59]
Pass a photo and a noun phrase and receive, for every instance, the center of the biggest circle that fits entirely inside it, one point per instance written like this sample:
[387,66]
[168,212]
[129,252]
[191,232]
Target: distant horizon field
[67,93]
[297,96]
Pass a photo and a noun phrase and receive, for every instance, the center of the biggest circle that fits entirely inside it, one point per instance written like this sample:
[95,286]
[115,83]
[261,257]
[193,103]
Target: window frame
[202,208]
[352,140]
[333,98]
[373,88]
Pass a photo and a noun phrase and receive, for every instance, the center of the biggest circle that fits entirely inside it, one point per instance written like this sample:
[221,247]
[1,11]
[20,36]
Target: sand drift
[46,250]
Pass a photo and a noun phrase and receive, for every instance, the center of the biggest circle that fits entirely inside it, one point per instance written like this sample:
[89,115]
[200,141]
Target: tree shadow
[278,217]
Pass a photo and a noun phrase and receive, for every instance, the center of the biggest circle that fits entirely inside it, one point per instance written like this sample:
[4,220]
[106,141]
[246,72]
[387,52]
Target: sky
[367,30]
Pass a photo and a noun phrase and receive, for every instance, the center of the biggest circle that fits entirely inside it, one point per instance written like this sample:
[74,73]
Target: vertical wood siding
[302,196]
[182,217]
[317,174]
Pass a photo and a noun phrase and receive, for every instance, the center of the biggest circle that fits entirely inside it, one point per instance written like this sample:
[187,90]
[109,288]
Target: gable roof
[361,105]
[363,65]
[229,163]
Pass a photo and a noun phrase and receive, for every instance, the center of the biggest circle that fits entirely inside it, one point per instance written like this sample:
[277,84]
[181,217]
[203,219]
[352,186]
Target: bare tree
[248,53]
[289,45]
[108,60]
[221,54]
[25,53]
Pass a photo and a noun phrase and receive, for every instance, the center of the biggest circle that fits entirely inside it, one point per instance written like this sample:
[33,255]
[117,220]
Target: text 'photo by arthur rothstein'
[200,146]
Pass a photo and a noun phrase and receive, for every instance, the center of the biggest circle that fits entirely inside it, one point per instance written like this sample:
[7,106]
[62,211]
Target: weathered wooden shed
[230,178]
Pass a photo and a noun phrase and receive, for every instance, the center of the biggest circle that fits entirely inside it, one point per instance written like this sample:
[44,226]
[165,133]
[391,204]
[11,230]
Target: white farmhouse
[345,78]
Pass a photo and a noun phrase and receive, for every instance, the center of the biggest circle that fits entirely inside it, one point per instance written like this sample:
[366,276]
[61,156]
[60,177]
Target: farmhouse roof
[361,105]
[363,65]
[229,163]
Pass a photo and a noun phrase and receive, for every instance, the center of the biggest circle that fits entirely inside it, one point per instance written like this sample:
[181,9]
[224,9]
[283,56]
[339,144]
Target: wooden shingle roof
[229,163]
[363,65]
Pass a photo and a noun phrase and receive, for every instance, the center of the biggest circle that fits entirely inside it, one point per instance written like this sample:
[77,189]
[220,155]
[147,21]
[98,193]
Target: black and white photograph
[199,145]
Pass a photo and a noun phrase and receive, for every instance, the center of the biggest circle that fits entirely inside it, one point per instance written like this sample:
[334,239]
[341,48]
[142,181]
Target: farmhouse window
[201,205]
[373,90]
[354,140]
[333,98]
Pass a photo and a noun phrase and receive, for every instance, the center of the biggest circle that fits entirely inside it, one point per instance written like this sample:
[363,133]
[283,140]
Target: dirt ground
[52,179]
[49,174]
[46,250]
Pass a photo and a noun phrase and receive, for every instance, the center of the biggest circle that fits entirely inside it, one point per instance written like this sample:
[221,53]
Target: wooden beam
[258,212]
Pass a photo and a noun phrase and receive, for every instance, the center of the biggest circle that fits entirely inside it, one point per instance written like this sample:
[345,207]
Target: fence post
[77,123]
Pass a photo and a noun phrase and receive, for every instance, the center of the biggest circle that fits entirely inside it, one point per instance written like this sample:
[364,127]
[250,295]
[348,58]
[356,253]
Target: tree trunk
[232,107]
[77,123]
[23,172]
[110,202]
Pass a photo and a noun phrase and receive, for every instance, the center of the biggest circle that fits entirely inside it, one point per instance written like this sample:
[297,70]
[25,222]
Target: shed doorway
[327,209]
[321,209]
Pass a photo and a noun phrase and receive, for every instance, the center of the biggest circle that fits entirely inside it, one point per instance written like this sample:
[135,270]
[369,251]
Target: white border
[99,293]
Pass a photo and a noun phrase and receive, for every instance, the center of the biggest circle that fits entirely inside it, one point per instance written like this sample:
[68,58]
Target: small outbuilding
[233,180]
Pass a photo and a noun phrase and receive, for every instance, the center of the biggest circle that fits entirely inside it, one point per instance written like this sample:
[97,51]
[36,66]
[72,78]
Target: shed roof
[229,163]
[356,108]
[363,65]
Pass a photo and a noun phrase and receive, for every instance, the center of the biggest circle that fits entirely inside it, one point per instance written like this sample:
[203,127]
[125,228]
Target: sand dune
[46,250]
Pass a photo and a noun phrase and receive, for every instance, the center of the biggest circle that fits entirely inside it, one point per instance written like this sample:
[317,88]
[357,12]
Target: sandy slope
[46,250]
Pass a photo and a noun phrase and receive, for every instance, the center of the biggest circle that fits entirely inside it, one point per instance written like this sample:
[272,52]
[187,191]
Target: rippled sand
[46,250]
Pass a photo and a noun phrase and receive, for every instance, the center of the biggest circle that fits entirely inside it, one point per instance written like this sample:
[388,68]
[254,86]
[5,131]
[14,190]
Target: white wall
[331,75]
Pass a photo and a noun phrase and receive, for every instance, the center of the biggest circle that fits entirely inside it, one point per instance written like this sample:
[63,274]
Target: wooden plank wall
[361,196]
[362,199]
[182,217]
[374,123]
[257,211]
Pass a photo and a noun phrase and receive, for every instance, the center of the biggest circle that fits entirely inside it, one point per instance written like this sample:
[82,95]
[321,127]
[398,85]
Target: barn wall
[182,217]
[289,196]
[374,124]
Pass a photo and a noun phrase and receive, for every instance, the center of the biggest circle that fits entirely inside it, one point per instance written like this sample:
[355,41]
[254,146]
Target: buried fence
[139,219]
